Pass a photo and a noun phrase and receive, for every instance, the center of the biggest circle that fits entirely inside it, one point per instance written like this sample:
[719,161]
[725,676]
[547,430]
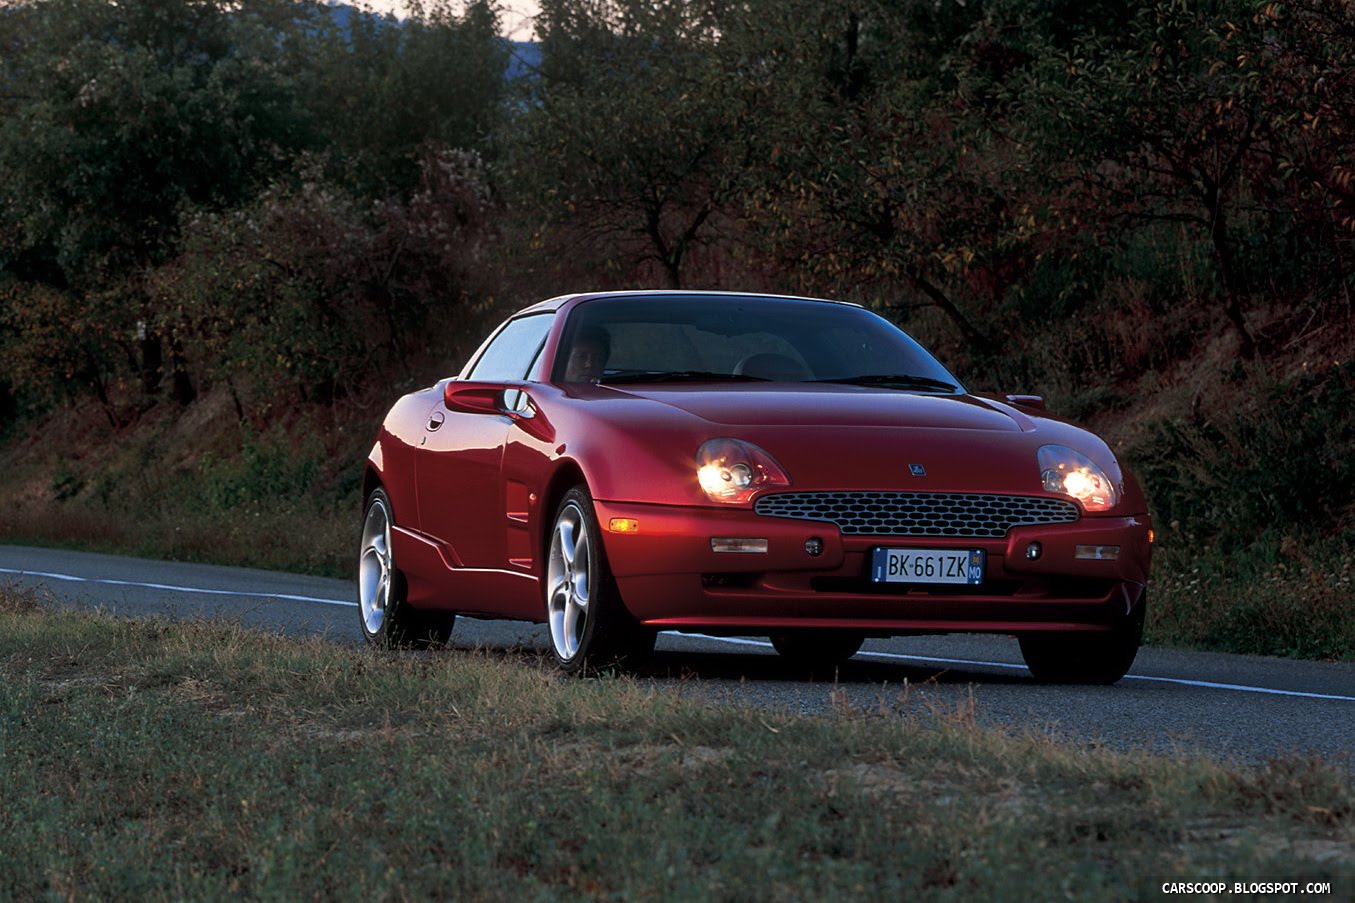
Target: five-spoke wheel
[589,624]
[374,565]
[386,619]
[568,581]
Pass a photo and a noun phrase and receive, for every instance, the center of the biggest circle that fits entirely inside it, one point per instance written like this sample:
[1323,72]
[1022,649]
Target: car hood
[831,405]
[826,436]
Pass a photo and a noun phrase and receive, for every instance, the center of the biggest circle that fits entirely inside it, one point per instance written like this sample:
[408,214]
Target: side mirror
[1027,401]
[503,399]
[473,397]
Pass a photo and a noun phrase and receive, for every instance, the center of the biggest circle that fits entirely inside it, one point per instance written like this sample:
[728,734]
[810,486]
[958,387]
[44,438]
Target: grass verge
[1272,596]
[200,486]
[199,760]
[298,536]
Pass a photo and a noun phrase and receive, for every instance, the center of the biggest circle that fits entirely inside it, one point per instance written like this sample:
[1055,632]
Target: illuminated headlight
[1073,474]
[731,470]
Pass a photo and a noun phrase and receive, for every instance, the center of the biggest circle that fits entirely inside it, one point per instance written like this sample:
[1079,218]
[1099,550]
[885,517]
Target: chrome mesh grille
[961,514]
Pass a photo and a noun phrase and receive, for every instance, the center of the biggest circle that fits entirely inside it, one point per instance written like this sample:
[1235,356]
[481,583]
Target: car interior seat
[769,365]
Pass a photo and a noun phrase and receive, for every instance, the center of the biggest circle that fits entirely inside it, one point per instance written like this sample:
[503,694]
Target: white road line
[178,589]
[1240,688]
[733,641]
[1237,688]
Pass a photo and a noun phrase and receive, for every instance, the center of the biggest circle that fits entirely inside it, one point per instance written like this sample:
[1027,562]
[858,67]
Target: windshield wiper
[675,376]
[894,381]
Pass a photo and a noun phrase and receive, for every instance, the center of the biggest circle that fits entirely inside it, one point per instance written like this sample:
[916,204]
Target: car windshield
[728,338]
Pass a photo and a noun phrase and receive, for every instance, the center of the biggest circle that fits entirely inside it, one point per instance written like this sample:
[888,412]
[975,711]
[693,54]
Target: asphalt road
[1236,707]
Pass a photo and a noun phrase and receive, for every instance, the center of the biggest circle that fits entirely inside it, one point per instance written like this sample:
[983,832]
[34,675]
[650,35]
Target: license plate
[961,566]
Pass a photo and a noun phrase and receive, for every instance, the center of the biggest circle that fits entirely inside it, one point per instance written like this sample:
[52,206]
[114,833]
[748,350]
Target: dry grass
[200,760]
[1273,597]
[280,492]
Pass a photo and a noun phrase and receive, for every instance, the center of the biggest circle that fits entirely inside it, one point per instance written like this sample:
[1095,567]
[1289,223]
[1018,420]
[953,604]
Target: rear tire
[590,628]
[1086,658]
[817,649]
[386,618]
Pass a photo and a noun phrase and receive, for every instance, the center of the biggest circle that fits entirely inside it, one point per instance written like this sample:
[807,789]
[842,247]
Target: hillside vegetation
[231,233]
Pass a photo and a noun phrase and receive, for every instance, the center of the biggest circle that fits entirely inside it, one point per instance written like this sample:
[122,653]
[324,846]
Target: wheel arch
[371,481]
[567,475]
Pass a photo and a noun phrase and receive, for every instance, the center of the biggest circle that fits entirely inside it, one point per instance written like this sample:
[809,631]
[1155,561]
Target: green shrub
[309,291]
[1277,595]
[1280,462]
[264,471]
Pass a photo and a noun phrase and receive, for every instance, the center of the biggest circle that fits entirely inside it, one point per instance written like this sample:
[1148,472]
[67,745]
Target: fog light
[1033,551]
[737,544]
[1096,553]
[814,546]
[624,525]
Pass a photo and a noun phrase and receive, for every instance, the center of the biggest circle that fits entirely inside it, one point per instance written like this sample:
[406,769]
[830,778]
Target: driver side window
[513,351]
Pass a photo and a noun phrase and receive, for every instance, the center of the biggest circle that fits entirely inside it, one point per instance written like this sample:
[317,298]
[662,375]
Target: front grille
[960,514]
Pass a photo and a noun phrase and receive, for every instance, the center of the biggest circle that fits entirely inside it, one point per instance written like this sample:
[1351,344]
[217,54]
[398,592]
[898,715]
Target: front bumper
[670,578]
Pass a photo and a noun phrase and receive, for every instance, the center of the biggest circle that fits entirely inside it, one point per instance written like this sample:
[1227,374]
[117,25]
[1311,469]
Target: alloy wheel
[569,582]
[374,567]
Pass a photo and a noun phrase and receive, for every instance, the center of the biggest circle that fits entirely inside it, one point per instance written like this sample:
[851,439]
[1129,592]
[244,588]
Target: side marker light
[624,525]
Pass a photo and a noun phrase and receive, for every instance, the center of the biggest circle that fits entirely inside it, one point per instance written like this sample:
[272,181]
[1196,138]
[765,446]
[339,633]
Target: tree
[1305,54]
[884,180]
[633,136]
[126,114]
[125,124]
[379,92]
[1167,120]
[308,290]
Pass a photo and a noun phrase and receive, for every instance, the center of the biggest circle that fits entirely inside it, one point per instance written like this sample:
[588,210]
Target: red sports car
[617,464]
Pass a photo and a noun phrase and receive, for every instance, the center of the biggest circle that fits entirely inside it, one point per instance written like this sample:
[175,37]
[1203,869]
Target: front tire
[817,650]
[386,618]
[590,628]
[1086,658]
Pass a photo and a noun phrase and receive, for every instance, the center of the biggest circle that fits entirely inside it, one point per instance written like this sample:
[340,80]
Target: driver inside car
[588,357]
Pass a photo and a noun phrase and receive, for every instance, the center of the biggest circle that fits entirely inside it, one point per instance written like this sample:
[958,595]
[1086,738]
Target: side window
[513,350]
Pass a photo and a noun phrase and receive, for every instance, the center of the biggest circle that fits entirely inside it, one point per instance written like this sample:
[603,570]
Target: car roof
[553,304]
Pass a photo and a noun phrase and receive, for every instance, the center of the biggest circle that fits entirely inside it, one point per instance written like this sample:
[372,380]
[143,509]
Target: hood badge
[917,470]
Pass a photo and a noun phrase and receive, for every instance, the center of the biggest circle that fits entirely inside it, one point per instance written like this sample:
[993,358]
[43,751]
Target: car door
[461,493]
